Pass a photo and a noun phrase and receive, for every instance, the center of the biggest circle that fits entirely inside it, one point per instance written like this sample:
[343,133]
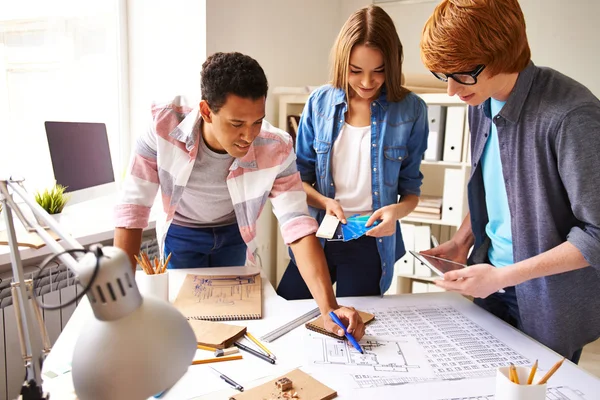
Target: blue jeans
[205,247]
[354,265]
[505,307]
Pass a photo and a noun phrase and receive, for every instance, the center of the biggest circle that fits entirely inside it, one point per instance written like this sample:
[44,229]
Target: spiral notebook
[318,326]
[220,297]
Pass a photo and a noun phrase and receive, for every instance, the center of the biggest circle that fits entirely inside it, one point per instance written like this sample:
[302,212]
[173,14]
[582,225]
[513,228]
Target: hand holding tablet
[440,265]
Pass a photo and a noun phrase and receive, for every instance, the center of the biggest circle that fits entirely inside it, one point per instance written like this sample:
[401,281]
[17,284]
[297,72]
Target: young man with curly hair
[534,220]
[216,165]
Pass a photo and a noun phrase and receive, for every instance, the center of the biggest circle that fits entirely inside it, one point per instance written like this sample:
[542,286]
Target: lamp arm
[120,313]
[115,293]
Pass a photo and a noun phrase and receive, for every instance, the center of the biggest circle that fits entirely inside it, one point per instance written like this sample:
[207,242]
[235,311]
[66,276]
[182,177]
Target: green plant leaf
[52,200]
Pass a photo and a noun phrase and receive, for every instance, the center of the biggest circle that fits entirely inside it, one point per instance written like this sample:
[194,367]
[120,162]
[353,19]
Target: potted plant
[52,200]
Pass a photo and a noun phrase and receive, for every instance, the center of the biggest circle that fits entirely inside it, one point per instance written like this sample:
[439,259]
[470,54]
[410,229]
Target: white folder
[419,287]
[422,242]
[453,137]
[405,265]
[435,140]
[454,201]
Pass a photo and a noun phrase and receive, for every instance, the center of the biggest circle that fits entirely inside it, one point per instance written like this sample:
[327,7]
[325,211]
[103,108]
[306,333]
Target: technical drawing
[553,393]
[225,289]
[453,347]
[379,355]
[387,356]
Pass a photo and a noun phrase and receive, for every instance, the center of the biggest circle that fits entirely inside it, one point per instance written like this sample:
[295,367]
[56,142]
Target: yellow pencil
[262,346]
[551,372]
[513,374]
[217,359]
[164,269]
[207,348]
[532,373]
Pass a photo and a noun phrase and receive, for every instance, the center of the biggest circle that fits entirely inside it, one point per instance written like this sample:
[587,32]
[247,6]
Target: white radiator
[56,290]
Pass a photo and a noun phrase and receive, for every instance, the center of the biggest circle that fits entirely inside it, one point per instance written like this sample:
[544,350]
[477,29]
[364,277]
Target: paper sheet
[384,356]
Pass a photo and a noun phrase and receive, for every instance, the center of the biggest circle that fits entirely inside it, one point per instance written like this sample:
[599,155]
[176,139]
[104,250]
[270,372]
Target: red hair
[462,34]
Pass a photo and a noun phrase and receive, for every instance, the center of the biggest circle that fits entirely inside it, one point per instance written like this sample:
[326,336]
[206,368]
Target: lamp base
[31,391]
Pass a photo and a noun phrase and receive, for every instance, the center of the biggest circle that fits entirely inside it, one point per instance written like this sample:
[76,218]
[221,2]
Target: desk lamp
[133,349]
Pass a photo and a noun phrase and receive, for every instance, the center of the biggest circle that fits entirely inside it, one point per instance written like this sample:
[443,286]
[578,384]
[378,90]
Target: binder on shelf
[405,265]
[455,127]
[422,242]
[419,287]
[435,141]
[454,201]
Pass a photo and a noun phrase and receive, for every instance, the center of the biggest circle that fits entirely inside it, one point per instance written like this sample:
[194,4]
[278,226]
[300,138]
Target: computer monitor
[81,159]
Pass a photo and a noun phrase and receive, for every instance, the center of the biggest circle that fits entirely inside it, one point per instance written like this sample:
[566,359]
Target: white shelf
[426,221]
[421,278]
[444,163]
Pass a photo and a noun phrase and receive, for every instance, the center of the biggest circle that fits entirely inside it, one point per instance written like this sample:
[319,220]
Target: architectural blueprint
[553,393]
[387,356]
[444,345]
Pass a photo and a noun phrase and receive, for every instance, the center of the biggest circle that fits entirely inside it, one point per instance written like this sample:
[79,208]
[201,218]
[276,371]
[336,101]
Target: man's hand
[478,280]
[350,317]
[333,207]
[450,250]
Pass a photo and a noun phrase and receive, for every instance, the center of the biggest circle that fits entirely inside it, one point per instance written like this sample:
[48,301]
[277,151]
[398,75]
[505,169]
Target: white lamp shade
[134,357]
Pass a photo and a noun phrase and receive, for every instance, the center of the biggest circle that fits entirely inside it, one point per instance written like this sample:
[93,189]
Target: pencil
[142,264]
[551,372]
[166,263]
[148,263]
[217,359]
[515,375]
[254,353]
[207,348]
[511,373]
[262,346]
[532,373]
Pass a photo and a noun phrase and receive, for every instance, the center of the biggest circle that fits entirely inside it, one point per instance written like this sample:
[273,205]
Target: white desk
[88,222]
[290,350]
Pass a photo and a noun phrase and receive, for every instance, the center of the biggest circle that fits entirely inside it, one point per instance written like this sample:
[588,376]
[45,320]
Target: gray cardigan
[549,137]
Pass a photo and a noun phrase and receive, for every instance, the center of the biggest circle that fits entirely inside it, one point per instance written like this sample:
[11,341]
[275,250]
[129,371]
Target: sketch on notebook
[224,289]
[553,393]
[220,297]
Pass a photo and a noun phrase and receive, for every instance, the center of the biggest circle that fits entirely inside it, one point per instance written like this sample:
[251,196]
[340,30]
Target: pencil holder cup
[156,285]
[508,390]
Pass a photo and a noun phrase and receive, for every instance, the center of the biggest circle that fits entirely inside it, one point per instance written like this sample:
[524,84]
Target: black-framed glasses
[464,78]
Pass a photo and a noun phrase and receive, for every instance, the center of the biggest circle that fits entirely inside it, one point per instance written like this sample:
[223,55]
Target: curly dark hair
[231,73]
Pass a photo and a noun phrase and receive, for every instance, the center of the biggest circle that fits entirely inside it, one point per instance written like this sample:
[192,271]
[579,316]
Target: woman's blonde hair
[462,34]
[372,27]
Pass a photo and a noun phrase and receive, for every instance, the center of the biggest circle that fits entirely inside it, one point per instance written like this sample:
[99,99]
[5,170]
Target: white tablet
[438,265]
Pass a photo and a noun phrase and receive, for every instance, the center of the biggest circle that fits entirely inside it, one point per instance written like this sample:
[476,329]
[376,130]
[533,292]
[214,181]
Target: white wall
[167,46]
[562,35]
[291,40]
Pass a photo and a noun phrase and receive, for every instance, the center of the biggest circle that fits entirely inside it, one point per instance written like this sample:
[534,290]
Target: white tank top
[351,169]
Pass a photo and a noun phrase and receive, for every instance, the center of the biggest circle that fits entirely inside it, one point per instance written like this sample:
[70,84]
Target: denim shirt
[399,132]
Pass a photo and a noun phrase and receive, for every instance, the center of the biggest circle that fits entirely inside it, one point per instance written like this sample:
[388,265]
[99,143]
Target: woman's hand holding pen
[351,319]
[333,207]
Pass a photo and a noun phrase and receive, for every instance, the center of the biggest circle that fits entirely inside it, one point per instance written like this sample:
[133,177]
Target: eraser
[226,352]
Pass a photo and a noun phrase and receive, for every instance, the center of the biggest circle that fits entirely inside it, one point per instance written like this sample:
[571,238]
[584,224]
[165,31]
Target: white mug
[508,390]
[156,285]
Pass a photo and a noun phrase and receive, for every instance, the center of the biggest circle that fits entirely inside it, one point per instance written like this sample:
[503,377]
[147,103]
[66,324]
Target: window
[59,61]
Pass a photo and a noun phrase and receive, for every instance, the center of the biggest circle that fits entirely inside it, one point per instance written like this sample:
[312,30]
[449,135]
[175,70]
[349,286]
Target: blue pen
[348,335]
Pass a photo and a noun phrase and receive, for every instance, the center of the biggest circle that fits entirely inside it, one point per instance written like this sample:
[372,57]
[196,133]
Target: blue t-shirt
[498,228]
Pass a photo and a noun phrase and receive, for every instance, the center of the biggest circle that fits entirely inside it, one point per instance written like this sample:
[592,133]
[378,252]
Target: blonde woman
[359,147]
